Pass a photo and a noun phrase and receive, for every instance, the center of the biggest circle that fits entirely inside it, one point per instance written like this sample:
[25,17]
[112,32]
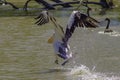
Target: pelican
[107,30]
[61,48]
[61,37]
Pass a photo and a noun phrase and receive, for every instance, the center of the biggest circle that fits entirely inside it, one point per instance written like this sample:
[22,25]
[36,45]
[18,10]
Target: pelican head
[78,15]
[107,19]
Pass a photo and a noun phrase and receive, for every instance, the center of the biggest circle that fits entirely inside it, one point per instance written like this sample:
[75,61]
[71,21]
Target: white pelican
[60,42]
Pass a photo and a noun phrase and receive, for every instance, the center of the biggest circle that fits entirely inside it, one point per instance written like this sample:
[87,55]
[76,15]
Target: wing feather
[88,21]
[94,20]
[78,19]
[43,18]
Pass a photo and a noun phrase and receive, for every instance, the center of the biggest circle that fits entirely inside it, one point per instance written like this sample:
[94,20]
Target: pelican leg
[56,61]
[67,60]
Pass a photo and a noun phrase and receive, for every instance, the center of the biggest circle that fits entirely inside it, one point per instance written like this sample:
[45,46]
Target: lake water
[26,55]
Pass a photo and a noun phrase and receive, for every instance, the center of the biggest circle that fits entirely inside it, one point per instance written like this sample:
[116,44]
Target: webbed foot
[56,61]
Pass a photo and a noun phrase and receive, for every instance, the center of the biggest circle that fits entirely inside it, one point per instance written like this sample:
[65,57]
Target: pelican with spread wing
[61,37]
[78,19]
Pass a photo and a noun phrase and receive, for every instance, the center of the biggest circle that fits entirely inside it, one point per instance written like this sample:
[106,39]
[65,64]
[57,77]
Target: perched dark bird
[88,13]
[103,3]
[107,30]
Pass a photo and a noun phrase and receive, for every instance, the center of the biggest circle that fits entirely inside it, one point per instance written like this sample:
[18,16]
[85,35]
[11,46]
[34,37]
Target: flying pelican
[107,30]
[60,38]
[62,49]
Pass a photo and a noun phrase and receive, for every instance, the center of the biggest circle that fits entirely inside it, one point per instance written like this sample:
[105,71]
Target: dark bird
[107,30]
[88,13]
[102,3]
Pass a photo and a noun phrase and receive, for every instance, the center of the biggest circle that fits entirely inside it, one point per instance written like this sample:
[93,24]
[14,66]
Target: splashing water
[84,73]
[114,33]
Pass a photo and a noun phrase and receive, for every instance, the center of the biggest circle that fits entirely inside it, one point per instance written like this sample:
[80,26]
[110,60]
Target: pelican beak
[50,40]
[78,15]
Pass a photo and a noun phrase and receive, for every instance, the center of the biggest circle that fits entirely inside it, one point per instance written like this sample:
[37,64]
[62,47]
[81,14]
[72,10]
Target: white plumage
[71,19]
[60,42]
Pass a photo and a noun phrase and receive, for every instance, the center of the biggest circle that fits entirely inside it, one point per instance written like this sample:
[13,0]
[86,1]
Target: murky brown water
[26,55]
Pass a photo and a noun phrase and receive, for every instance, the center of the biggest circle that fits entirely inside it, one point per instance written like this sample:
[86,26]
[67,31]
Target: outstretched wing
[78,19]
[43,18]
[88,22]
[72,24]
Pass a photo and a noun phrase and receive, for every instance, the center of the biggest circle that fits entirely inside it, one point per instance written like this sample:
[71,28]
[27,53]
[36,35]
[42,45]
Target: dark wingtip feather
[42,19]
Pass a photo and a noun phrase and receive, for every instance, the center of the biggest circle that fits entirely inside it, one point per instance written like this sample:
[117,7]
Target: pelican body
[61,38]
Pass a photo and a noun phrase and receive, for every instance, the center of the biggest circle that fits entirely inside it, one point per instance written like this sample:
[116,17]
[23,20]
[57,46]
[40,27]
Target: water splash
[79,70]
[114,33]
[84,73]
